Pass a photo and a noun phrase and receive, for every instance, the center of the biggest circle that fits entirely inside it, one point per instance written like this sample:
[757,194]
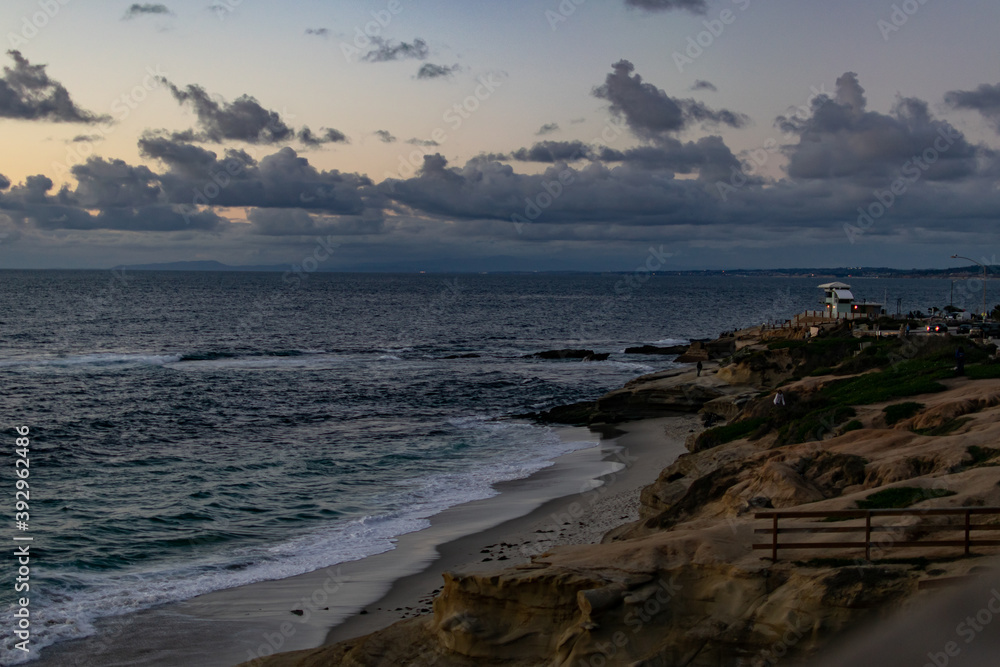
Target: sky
[439,135]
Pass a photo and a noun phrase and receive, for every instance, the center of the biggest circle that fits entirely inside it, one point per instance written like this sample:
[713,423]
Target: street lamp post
[984,279]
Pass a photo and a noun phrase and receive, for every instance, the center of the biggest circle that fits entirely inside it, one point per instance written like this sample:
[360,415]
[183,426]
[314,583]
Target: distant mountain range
[822,273]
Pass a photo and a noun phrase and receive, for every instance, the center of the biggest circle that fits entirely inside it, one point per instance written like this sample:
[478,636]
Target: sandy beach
[575,501]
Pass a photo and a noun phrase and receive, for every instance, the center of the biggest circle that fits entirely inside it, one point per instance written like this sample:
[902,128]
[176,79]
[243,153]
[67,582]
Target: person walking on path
[779,398]
[699,367]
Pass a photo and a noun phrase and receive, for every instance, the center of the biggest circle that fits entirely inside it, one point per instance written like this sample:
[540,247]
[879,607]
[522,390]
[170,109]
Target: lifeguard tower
[837,300]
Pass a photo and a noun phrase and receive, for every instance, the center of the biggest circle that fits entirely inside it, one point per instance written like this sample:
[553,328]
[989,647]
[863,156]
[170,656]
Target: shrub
[852,425]
[900,497]
[900,411]
[720,435]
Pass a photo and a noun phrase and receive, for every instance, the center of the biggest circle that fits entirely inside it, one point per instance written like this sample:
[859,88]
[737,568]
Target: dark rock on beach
[655,349]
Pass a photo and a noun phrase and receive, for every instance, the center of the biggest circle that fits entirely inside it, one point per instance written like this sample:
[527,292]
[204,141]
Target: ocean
[192,432]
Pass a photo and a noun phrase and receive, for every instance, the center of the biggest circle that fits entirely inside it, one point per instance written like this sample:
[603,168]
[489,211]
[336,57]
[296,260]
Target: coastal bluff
[867,424]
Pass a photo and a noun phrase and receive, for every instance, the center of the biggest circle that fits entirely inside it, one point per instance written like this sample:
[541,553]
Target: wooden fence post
[868,535]
[774,539]
[968,530]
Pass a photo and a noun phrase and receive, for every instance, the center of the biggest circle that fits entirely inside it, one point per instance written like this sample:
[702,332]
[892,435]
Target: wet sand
[562,504]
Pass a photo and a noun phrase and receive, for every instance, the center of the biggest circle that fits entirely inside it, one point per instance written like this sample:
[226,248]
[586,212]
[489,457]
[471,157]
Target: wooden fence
[966,526]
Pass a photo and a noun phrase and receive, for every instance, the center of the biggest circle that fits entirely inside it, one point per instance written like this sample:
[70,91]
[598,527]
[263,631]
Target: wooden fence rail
[965,513]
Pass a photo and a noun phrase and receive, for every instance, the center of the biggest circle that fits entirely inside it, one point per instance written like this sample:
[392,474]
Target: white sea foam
[95,359]
[516,451]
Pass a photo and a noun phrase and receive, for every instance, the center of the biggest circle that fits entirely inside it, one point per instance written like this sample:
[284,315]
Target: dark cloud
[27,93]
[553,151]
[693,6]
[280,180]
[241,120]
[4,182]
[145,10]
[422,142]
[548,128]
[386,50]
[709,158]
[187,194]
[113,183]
[700,84]
[985,99]
[385,136]
[489,190]
[319,32]
[652,114]
[841,138]
[327,136]
[432,71]
[111,196]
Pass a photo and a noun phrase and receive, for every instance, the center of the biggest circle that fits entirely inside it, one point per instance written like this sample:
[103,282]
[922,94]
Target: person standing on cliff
[699,367]
[779,398]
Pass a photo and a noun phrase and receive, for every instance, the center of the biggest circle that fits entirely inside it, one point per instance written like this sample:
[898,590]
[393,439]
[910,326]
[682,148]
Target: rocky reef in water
[867,423]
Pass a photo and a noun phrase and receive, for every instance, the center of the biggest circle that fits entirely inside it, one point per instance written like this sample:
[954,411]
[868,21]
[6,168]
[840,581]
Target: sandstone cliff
[683,586]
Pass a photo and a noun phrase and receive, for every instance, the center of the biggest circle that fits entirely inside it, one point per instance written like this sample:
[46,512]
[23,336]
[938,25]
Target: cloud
[841,138]
[432,71]
[650,113]
[422,142]
[548,128]
[327,135]
[693,6]
[4,182]
[384,136]
[489,190]
[27,93]
[709,158]
[385,50]
[188,193]
[701,84]
[280,180]
[985,99]
[137,10]
[319,32]
[111,196]
[241,120]
[553,151]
